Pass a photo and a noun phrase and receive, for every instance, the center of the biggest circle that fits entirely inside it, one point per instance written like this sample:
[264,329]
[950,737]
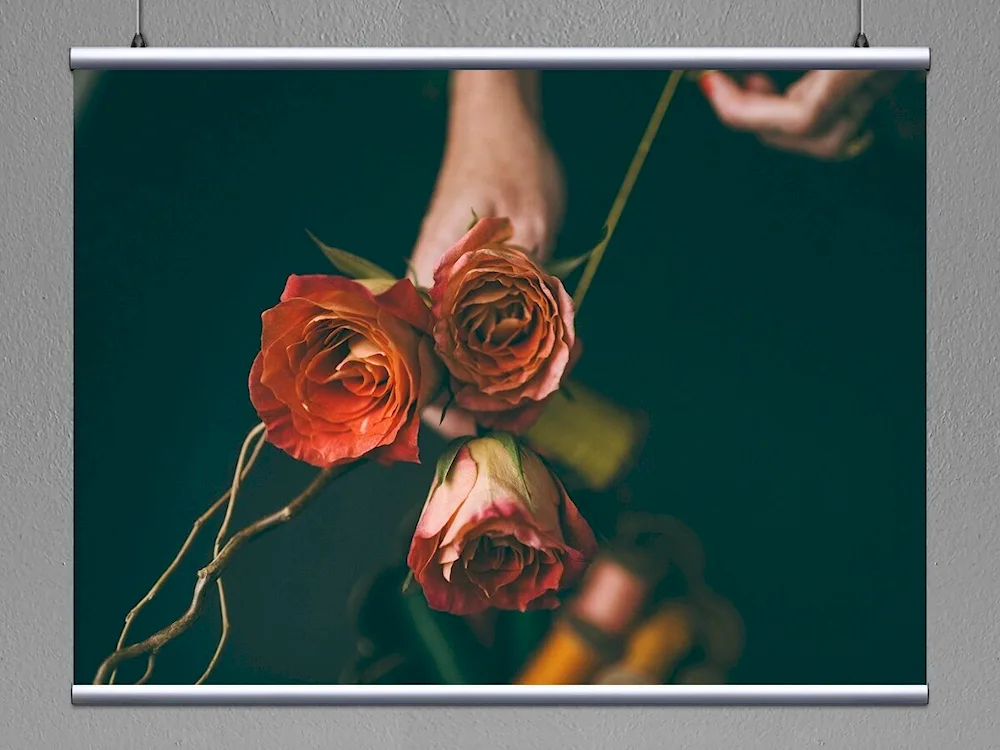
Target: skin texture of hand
[819,115]
[497,162]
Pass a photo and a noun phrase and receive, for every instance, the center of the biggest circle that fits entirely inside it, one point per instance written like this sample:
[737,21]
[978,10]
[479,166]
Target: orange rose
[497,530]
[344,369]
[504,327]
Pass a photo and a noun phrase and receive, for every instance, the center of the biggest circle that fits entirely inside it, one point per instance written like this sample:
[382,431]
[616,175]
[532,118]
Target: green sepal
[475,220]
[406,582]
[349,264]
[447,405]
[447,459]
[563,267]
[513,447]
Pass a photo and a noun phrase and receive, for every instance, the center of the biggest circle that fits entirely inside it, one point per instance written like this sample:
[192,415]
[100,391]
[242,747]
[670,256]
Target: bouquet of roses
[348,364]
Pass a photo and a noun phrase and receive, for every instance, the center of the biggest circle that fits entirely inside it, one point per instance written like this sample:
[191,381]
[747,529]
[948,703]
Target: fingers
[834,143]
[822,92]
[804,110]
[818,116]
[829,146]
[753,110]
[760,83]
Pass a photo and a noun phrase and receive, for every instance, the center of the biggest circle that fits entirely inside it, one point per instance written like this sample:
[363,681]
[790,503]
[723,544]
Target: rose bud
[504,327]
[497,531]
[344,369]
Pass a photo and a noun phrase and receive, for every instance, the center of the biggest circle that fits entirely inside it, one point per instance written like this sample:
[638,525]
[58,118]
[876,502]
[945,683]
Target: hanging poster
[443,379]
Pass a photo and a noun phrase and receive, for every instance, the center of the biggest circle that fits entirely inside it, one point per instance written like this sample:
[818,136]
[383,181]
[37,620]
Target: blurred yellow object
[654,649]
[606,635]
[567,656]
[592,436]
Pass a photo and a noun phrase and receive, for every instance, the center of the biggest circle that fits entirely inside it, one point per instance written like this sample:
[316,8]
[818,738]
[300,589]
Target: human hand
[497,162]
[822,115]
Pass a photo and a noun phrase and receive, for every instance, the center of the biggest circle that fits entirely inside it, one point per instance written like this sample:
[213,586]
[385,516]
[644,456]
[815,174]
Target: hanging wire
[861,40]
[138,40]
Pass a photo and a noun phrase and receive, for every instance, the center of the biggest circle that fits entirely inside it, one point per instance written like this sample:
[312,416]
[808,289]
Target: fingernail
[705,82]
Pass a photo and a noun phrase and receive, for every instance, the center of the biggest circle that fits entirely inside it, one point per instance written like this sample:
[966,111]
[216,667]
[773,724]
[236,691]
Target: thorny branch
[211,572]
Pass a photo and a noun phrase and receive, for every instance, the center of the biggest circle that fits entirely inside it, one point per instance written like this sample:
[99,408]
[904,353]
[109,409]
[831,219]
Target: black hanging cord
[861,40]
[138,40]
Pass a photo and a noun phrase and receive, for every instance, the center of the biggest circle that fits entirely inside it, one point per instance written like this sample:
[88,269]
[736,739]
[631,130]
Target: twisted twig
[211,572]
[223,528]
[202,520]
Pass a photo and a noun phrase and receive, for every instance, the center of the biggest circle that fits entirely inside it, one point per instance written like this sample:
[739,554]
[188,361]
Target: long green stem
[627,184]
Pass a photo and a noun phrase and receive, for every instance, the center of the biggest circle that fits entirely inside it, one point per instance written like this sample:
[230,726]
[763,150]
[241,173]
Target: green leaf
[475,219]
[447,459]
[349,264]
[445,387]
[447,405]
[567,392]
[407,581]
[514,449]
[563,267]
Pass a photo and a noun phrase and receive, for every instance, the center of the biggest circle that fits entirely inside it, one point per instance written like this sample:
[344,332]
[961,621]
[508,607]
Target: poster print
[499,377]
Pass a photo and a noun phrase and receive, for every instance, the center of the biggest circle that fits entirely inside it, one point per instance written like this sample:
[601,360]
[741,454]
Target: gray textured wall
[36,100]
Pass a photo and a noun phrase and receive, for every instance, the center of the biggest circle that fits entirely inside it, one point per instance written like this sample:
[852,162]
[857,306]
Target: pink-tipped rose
[497,530]
[504,327]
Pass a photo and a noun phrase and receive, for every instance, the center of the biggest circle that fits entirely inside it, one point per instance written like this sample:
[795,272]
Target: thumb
[534,235]
[438,233]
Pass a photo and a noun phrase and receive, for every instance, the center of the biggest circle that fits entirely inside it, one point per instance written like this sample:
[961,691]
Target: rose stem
[623,192]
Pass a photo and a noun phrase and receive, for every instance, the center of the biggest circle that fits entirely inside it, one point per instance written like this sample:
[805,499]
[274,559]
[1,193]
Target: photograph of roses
[499,377]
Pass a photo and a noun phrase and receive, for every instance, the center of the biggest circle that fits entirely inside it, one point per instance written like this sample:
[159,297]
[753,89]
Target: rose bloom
[344,369]
[486,538]
[504,327]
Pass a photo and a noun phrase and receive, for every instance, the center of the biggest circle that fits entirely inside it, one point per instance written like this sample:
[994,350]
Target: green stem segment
[627,184]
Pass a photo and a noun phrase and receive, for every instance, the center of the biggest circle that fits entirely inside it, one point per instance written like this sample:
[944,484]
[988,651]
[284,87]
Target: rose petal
[486,231]
[308,287]
[403,300]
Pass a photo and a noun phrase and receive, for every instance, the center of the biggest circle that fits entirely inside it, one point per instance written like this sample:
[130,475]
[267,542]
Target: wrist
[483,99]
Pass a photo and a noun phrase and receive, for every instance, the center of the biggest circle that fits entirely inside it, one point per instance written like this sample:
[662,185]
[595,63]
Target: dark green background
[768,311]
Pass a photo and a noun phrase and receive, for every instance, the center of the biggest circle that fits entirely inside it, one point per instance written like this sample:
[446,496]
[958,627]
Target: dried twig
[223,528]
[211,572]
[202,520]
[150,663]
